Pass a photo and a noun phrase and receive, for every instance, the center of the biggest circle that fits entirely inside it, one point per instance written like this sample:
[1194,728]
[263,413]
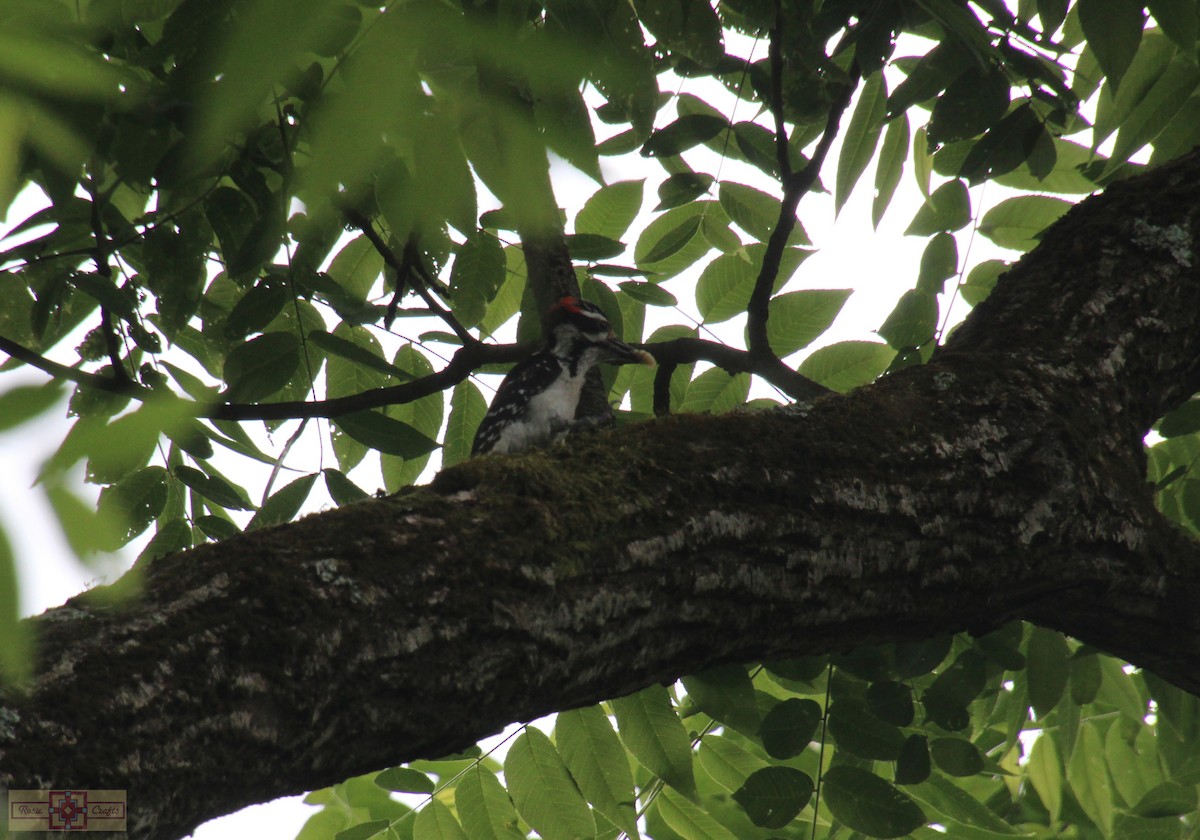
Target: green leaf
[650,294]
[1113,29]
[681,188]
[484,807]
[756,212]
[1154,111]
[172,535]
[947,209]
[656,737]
[847,364]
[1168,799]
[868,804]
[716,391]
[939,262]
[947,699]
[341,489]
[773,796]
[973,103]
[25,402]
[684,133]
[1129,827]
[543,790]
[1178,21]
[367,356]
[476,276]
[405,779]
[890,167]
[670,243]
[135,501]
[861,138]
[952,802]
[1114,106]
[799,318]
[16,648]
[213,487]
[981,280]
[1085,677]
[467,408]
[913,765]
[688,820]
[385,434]
[1046,667]
[892,702]
[788,728]
[591,247]
[956,756]
[860,733]
[1046,772]
[611,210]
[436,822]
[1087,774]
[1017,223]
[216,528]
[1182,421]
[913,322]
[598,763]
[261,366]
[726,284]
[256,309]
[283,504]
[728,764]
[364,831]
[725,693]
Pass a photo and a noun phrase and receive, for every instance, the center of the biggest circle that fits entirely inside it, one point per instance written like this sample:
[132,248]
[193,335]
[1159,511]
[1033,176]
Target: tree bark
[1004,479]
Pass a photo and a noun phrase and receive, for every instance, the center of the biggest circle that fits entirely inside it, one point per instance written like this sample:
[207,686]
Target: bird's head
[575,325]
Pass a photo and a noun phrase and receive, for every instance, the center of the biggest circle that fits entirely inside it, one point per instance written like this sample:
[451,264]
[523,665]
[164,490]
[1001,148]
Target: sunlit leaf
[611,209]
[653,733]
[861,138]
[543,791]
[847,364]
[283,504]
[593,753]
[683,134]
[1018,222]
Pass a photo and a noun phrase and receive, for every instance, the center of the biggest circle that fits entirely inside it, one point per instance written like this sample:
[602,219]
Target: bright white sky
[879,265]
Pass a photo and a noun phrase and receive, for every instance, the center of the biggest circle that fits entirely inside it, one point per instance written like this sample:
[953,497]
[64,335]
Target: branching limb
[795,185]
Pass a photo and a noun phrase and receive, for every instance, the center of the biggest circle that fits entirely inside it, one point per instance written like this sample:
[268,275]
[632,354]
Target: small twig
[409,266]
[110,385]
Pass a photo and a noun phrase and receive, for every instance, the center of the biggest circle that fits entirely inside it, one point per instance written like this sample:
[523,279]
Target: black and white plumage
[536,402]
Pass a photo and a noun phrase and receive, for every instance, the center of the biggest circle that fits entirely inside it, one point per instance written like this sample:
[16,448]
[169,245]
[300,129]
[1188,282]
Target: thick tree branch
[1004,479]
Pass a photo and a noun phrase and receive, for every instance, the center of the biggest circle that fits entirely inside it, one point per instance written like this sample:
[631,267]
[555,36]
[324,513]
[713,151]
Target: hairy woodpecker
[536,401]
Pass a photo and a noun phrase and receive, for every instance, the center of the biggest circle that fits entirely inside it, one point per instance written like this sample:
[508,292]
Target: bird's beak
[620,353]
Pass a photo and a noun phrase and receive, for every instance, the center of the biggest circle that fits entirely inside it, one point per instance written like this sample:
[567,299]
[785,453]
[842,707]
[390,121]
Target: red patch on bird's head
[569,304]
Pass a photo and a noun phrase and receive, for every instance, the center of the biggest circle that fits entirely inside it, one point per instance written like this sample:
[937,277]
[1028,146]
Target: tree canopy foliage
[249,202]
